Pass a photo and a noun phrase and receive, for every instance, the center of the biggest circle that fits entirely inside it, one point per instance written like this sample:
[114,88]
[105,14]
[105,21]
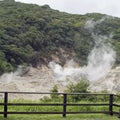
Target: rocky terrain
[109,83]
[42,79]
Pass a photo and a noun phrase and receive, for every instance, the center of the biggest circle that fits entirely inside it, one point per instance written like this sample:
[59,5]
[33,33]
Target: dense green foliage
[31,34]
[80,87]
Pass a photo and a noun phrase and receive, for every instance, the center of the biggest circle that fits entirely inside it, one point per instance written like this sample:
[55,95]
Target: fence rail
[110,104]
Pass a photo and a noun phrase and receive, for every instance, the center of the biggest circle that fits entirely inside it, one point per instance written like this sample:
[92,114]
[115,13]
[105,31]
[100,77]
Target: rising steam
[100,59]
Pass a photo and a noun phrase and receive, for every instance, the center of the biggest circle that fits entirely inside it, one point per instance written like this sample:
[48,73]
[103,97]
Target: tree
[54,90]
[80,87]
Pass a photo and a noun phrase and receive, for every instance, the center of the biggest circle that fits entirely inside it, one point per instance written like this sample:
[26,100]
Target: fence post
[111,104]
[5,104]
[64,104]
[119,114]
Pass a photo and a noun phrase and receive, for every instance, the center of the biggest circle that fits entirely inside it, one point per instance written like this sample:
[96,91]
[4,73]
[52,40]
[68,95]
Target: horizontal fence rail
[111,101]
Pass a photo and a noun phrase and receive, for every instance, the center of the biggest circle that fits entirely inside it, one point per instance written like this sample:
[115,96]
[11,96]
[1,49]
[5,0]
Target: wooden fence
[110,103]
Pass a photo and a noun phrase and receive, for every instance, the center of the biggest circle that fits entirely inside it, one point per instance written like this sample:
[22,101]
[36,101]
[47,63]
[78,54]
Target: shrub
[80,87]
[54,90]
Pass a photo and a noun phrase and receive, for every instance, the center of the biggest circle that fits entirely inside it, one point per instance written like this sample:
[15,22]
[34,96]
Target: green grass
[59,109]
[59,117]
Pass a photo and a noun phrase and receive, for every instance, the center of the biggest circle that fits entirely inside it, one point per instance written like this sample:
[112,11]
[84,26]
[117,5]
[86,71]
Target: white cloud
[110,7]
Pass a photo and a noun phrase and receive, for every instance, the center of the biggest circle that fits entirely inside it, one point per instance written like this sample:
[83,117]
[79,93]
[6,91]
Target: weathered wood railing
[110,104]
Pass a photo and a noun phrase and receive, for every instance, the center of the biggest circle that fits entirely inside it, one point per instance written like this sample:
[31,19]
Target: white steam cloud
[100,59]
[61,73]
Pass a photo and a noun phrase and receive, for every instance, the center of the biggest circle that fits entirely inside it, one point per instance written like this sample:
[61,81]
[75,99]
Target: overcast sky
[109,7]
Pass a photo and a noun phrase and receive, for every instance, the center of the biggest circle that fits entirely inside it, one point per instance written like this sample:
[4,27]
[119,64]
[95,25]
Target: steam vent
[41,48]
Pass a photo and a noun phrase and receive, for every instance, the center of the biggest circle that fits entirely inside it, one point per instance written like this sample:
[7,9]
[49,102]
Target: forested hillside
[32,34]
